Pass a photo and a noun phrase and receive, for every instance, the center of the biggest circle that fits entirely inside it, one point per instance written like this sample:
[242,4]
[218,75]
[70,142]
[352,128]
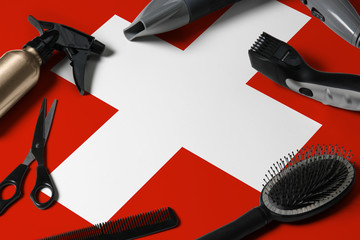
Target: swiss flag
[178,120]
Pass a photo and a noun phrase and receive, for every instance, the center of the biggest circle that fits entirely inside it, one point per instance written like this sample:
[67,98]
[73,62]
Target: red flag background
[204,196]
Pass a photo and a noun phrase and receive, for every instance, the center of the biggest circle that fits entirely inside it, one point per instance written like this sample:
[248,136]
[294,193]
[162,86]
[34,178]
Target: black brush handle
[251,221]
[200,8]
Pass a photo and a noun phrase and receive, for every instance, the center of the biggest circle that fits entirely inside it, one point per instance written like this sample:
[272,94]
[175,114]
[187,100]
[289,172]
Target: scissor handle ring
[43,181]
[15,178]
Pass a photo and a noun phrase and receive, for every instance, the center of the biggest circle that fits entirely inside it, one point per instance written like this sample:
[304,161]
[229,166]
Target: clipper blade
[266,45]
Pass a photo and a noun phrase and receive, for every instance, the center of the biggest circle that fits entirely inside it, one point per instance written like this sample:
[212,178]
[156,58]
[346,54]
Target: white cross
[168,98]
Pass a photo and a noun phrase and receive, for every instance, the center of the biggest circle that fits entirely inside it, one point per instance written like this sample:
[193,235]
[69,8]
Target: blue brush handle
[200,8]
[15,178]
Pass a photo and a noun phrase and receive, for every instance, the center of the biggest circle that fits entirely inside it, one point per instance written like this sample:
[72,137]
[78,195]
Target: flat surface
[180,120]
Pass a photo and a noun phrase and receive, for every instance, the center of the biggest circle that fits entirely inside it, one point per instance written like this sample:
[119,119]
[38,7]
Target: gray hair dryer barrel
[339,15]
[161,16]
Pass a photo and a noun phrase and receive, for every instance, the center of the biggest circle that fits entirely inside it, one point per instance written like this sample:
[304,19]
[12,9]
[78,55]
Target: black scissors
[43,180]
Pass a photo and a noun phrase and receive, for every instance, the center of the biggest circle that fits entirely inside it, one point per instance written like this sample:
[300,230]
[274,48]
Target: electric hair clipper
[281,63]
[339,15]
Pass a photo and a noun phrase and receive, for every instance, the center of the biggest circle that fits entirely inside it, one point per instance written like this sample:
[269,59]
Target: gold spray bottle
[20,69]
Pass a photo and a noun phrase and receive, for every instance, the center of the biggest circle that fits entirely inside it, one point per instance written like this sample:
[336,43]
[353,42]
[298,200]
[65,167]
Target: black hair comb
[298,187]
[125,228]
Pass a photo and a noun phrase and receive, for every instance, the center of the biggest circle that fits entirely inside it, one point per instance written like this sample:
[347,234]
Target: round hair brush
[297,187]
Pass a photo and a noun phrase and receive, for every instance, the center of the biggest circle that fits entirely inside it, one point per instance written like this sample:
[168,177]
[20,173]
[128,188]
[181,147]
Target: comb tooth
[122,224]
[157,216]
[149,218]
[161,215]
[109,228]
[102,228]
[142,220]
[152,217]
[126,223]
[133,222]
[118,226]
[115,226]
[129,223]
[167,213]
[164,214]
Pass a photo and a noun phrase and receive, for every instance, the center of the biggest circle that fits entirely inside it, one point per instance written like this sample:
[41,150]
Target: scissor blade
[49,119]
[29,159]
[38,144]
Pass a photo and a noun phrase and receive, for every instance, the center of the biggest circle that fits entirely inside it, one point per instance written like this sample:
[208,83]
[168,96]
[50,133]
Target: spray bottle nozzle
[44,44]
[75,44]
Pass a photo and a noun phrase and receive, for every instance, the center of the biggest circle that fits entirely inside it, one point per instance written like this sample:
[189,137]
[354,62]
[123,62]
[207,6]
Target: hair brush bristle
[308,179]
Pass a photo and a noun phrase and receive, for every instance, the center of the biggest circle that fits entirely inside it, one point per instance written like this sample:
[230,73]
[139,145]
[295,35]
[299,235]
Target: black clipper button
[317,14]
[306,92]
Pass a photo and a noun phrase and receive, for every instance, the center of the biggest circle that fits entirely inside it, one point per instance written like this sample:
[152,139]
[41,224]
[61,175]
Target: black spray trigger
[78,62]
[75,44]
